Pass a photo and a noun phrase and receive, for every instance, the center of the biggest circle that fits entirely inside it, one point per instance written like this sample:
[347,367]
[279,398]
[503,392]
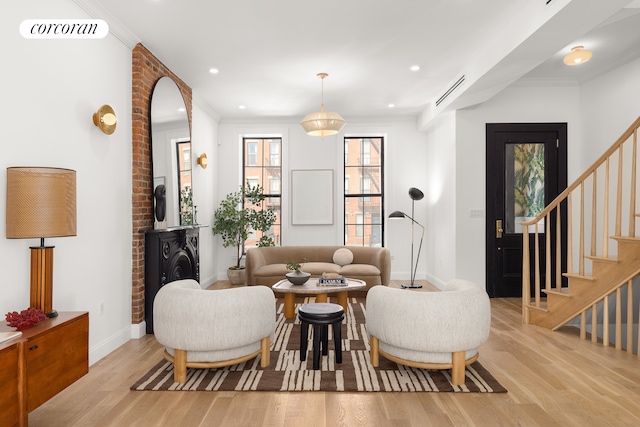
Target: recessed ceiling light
[181,109]
[415,67]
[391,105]
[214,70]
[242,107]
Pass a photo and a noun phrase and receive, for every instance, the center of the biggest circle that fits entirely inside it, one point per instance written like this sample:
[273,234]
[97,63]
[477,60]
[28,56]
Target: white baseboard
[107,346]
[435,281]
[208,281]
[138,330]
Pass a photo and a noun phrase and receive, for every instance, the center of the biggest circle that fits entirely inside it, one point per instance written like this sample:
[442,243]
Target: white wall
[405,167]
[608,106]
[520,103]
[204,140]
[51,88]
[441,199]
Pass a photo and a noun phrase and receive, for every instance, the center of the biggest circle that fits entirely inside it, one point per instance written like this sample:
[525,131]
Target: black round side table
[320,315]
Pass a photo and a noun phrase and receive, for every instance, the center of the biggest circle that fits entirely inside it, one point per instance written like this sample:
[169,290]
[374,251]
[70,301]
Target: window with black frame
[262,165]
[363,191]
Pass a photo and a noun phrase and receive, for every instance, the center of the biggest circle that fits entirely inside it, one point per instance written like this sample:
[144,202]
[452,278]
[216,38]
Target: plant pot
[237,276]
[298,277]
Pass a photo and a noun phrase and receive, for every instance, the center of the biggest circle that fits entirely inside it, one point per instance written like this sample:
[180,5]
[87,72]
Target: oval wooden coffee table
[311,287]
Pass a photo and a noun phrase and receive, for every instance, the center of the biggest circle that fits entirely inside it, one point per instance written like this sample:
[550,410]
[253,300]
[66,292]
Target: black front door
[526,169]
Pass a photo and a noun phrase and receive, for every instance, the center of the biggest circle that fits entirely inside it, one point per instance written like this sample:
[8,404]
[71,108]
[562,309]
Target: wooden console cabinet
[10,391]
[48,357]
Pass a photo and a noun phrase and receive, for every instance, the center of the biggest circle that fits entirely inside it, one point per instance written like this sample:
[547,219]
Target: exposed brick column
[146,71]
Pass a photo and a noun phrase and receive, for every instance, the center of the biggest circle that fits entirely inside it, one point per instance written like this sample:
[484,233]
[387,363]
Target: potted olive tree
[238,215]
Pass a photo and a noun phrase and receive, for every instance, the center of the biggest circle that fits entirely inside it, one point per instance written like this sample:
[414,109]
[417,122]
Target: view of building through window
[363,191]
[262,165]
[184,182]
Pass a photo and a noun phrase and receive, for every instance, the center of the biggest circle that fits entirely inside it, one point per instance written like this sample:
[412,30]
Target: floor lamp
[415,194]
[41,202]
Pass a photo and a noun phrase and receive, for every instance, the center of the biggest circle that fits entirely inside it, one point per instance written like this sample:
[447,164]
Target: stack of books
[331,279]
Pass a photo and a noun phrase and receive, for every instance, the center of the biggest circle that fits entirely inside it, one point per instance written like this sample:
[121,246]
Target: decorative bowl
[298,277]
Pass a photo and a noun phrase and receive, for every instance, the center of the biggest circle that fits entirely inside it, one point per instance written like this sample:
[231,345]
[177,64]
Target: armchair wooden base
[457,364]
[180,364]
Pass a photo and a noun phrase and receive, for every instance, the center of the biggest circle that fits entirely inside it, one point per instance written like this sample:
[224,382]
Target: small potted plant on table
[297,277]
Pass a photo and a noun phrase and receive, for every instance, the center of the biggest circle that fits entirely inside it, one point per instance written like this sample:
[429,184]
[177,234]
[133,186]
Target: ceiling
[268,53]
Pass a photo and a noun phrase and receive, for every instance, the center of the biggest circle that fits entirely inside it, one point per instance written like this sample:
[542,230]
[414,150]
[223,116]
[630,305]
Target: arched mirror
[171,156]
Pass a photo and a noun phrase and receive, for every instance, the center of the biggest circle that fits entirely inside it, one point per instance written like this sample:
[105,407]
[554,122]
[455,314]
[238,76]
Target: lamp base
[411,286]
[52,314]
[42,279]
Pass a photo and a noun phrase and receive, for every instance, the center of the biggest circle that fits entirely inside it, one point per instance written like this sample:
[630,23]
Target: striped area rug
[287,373]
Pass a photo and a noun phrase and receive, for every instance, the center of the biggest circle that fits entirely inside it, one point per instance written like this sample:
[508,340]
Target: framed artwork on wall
[312,197]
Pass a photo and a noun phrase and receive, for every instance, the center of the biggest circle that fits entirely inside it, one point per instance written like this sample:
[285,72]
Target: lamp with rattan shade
[322,123]
[41,202]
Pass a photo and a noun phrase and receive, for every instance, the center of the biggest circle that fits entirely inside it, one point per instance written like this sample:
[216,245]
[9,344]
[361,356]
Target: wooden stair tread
[541,309]
[626,239]
[602,259]
[564,292]
[578,276]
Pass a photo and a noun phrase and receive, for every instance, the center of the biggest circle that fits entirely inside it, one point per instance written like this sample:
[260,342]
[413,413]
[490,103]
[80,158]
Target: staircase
[597,214]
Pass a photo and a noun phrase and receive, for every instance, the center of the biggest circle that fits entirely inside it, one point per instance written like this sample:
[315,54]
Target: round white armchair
[430,330]
[213,328]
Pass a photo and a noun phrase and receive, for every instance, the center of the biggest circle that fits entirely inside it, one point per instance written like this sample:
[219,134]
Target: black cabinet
[170,255]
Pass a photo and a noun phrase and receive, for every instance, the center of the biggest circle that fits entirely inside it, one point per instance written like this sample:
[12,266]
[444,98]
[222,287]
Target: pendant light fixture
[578,55]
[322,123]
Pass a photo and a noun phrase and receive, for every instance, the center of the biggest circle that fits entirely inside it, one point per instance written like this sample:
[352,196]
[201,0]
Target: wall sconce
[203,161]
[105,119]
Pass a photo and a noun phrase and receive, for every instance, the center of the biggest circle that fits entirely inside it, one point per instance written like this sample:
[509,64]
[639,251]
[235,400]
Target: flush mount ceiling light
[322,123]
[578,55]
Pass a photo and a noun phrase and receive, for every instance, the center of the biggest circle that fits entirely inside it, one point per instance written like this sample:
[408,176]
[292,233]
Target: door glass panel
[524,184]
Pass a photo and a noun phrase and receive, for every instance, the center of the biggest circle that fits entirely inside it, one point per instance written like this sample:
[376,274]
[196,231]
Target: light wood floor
[553,379]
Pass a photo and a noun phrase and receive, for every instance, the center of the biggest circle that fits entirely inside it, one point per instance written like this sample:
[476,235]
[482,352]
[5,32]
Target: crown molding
[201,104]
[116,28]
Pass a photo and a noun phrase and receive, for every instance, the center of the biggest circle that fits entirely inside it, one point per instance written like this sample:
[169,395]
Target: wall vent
[450,90]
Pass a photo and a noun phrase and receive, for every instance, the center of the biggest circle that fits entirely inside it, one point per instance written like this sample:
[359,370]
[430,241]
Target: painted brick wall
[146,71]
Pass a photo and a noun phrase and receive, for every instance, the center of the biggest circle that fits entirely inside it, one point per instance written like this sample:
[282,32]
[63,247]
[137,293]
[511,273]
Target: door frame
[492,261]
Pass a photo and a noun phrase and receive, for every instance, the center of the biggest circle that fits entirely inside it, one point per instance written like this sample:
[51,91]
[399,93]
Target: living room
[61,83]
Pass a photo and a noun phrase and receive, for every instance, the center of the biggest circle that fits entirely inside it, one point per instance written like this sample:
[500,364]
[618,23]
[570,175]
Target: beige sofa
[266,266]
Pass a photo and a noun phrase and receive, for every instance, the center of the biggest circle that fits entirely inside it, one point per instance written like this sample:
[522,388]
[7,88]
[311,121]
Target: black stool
[320,315]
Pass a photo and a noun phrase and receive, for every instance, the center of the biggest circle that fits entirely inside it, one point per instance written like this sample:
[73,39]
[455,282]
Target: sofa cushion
[272,270]
[356,270]
[343,257]
[317,268]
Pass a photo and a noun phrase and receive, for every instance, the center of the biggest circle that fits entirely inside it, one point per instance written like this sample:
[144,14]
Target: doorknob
[499,229]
